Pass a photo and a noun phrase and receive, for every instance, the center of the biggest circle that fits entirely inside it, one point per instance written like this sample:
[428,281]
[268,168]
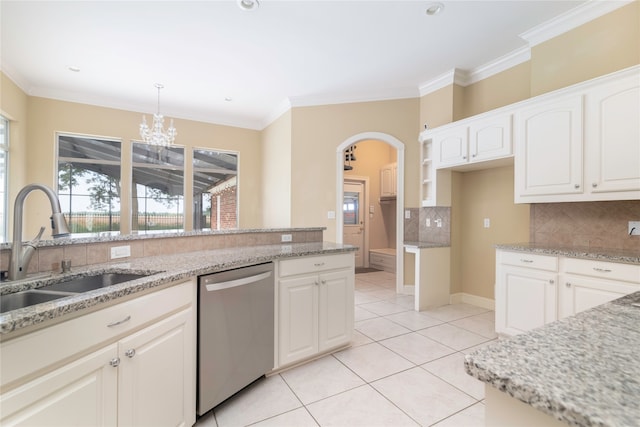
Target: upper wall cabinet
[581,143]
[484,138]
[388,180]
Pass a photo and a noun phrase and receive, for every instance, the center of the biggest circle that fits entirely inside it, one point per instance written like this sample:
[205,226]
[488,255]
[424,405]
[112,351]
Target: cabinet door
[298,325]
[578,293]
[613,136]
[335,306]
[548,157]
[156,374]
[525,299]
[490,138]
[82,393]
[451,147]
[388,181]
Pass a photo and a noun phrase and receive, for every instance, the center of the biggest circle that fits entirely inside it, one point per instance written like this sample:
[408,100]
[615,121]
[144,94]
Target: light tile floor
[404,369]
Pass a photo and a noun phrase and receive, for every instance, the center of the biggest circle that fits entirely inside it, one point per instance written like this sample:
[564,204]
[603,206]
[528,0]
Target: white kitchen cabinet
[388,180]
[526,295]
[490,138]
[549,148]
[588,283]
[580,143]
[480,139]
[81,393]
[451,146]
[533,289]
[315,303]
[142,373]
[155,385]
[613,137]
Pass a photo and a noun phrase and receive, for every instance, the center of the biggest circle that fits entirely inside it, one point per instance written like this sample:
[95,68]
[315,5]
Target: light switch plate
[285,237]
[487,223]
[407,214]
[331,215]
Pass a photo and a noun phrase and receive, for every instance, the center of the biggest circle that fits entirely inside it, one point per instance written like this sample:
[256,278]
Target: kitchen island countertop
[582,370]
[160,269]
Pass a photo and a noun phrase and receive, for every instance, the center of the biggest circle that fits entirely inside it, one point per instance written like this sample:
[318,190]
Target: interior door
[353,214]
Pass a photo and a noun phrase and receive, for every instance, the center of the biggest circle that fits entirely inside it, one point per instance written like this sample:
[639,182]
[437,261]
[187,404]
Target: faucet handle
[38,237]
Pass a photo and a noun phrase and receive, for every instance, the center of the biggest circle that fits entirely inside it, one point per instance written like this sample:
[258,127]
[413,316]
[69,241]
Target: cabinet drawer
[382,261]
[46,347]
[529,260]
[603,269]
[314,264]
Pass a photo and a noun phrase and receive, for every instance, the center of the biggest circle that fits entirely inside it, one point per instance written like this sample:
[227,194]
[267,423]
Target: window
[157,188]
[89,184]
[215,195]
[4,179]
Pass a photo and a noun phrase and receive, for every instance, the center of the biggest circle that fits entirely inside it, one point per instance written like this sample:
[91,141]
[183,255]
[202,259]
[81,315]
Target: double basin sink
[63,289]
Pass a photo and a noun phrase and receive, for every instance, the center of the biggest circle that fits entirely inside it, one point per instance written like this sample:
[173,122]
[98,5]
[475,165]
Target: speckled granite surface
[423,245]
[163,269]
[583,370]
[602,254]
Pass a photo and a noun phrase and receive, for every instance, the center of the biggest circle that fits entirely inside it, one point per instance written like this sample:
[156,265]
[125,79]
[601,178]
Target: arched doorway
[340,157]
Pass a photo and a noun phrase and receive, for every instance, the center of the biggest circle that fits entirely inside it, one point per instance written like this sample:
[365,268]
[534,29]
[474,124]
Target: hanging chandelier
[156,135]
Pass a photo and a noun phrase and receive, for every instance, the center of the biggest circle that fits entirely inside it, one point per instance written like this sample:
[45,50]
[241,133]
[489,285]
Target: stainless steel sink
[89,283]
[27,298]
[58,290]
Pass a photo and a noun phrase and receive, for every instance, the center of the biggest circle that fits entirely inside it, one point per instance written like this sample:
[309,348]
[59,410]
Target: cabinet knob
[473,155]
[115,362]
[594,185]
[551,282]
[324,282]
[577,186]
[130,353]
[464,157]
[568,285]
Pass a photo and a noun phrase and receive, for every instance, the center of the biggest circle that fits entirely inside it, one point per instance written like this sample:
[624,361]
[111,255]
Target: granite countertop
[582,370]
[162,269]
[425,245]
[602,254]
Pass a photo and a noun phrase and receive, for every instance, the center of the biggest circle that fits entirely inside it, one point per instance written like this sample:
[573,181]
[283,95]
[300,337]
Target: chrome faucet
[21,254]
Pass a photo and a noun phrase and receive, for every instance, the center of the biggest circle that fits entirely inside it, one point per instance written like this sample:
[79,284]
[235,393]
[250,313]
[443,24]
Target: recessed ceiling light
[228,98]
[73,68]
[248,4]
[435,8]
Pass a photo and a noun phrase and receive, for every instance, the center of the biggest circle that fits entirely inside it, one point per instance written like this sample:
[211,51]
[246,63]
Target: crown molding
[499,65]
[571,19]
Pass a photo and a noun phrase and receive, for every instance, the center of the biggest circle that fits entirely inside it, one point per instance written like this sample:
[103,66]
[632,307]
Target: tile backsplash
[416,230]
[585,224]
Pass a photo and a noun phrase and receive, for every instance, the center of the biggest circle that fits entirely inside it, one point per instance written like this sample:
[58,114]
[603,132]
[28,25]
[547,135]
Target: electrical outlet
[120,252]
[428,222]
[331,215]
[634,228]
[439,223]
[285,238]
[487,223]
[407,214]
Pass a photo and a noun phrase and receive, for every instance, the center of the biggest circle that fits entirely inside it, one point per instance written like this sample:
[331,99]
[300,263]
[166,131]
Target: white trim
[437,83]
[399,146]
[499,65]
[464,298]
[330,99]
[275,114]
[571,19]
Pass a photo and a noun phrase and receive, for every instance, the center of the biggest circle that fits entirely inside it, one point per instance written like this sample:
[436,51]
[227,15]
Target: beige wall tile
[76,253]
[48,259]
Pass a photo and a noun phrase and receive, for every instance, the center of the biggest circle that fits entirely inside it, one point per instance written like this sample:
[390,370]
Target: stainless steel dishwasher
[235,331]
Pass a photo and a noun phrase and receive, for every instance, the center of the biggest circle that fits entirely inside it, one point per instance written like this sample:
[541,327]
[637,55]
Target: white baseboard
[465,298]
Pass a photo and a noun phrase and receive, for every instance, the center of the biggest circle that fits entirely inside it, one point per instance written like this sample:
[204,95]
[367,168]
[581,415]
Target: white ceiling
[284,53]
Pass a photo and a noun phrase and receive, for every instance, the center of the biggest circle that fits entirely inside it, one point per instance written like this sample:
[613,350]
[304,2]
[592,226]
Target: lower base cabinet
[315,306]
[144,378]
[533,290]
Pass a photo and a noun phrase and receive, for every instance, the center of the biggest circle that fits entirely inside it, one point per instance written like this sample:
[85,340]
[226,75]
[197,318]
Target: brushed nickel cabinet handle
[602,270]
[528,261]
[119,322]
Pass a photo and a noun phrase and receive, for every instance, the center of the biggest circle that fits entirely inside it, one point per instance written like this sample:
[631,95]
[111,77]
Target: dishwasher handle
[217,286]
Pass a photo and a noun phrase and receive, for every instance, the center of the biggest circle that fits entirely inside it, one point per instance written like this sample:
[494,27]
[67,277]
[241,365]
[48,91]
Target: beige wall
[13,106]
[604,45]
[371,156]
[318,131]
[276,173]
[47,116]
[487,194]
